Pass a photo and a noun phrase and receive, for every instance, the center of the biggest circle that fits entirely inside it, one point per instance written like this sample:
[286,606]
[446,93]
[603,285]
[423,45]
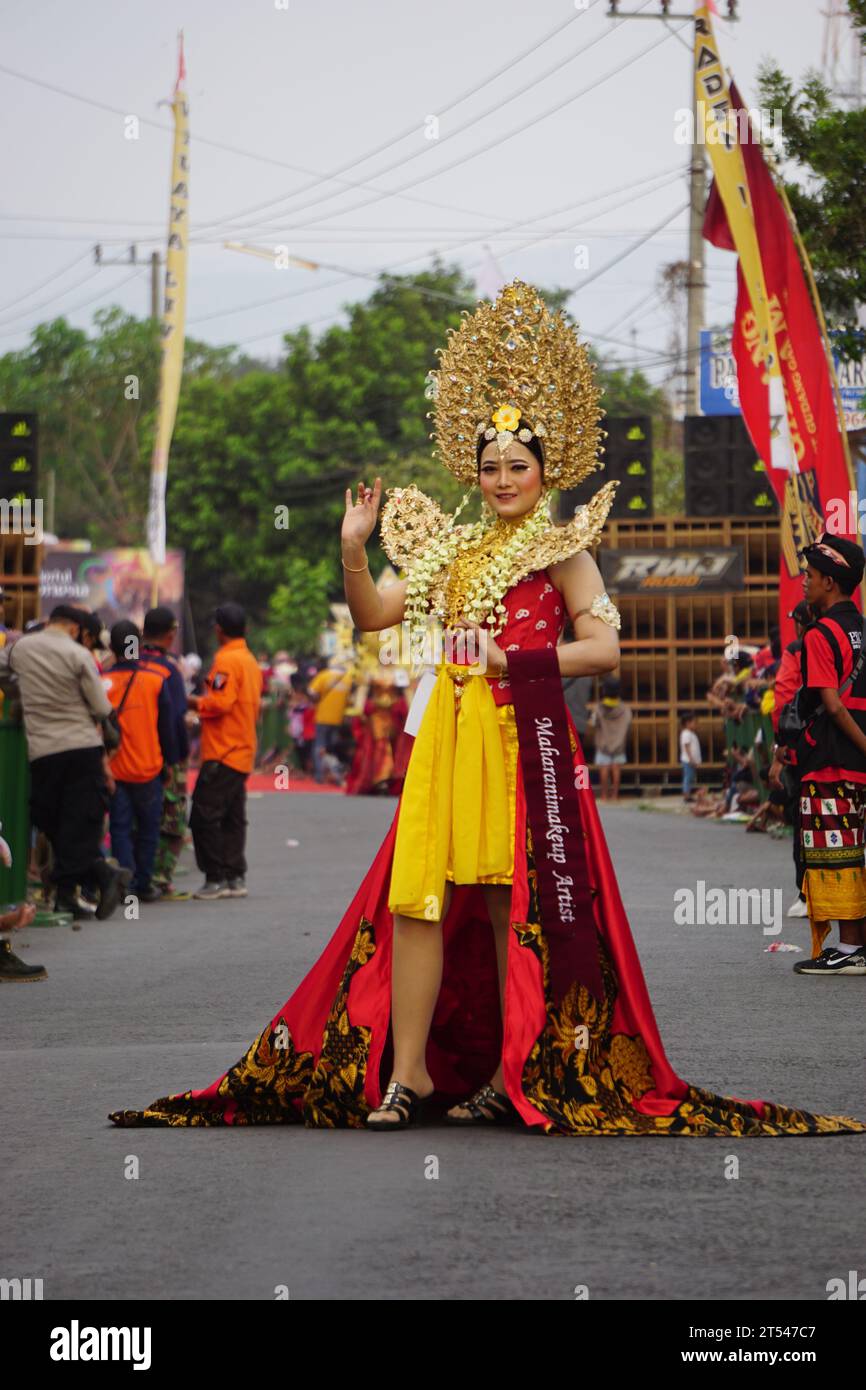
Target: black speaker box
[723,474]
[628,456]
[19,455]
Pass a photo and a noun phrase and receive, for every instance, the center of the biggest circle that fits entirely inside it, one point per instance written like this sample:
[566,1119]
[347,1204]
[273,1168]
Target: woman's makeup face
[511,483]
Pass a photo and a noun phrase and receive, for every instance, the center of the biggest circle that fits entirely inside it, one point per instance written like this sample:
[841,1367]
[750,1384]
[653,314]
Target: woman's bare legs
[498,900]
[416,977]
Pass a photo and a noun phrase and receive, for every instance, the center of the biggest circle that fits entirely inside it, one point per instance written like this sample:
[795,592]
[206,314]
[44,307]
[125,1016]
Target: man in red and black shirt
[831,757]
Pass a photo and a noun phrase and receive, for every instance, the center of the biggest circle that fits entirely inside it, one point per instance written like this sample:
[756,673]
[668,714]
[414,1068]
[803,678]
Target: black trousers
[218,821]
[68,803]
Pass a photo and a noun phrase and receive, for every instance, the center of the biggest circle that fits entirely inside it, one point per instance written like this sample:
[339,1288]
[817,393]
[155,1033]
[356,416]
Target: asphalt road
[132,1011]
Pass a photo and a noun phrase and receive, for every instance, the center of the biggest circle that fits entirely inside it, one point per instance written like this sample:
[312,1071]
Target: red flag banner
[817,494]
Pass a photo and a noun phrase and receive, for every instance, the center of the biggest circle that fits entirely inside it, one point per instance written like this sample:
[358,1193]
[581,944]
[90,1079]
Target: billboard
[713,569]
[113,583]
[720,395]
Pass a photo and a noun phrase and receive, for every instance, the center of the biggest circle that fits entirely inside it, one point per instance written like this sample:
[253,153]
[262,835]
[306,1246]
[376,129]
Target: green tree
[96,397]
[298,607]
[261,456]
[347,405]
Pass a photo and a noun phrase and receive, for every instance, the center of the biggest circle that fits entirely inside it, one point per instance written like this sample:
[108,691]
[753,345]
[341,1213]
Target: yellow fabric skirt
[833,895]
[457,812]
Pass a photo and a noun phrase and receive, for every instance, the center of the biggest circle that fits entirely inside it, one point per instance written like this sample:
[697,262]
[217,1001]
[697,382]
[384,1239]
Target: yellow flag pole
[171,323]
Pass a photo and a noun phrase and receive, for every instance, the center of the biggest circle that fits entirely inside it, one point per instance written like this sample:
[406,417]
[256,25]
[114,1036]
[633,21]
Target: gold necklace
[475,563]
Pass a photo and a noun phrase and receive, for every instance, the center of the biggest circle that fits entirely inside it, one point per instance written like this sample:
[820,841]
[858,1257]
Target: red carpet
[266,782]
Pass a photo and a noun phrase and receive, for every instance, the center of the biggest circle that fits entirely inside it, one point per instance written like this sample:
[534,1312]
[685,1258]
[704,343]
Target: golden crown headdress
[514,370]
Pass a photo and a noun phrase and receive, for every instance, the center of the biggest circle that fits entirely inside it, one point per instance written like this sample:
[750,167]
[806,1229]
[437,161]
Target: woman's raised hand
[360,518]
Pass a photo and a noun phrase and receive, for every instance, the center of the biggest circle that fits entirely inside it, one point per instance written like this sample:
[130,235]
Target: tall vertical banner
[172,319]
[783,370]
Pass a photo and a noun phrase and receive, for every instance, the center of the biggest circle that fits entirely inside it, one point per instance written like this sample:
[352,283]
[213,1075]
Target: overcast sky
[300,89]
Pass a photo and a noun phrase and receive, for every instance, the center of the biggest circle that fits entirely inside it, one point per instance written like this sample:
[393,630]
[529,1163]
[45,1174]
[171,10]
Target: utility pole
[696,283]
[154,284]
[132,259]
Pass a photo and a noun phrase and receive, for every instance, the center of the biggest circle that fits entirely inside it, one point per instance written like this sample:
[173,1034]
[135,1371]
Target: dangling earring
[463,503]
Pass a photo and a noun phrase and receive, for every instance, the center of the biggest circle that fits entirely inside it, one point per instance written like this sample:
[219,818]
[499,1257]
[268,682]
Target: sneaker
[798,908]
[833,962]
[113,883]
[212,889]
[236,888]
[81,909]
[151,894]
[14,971]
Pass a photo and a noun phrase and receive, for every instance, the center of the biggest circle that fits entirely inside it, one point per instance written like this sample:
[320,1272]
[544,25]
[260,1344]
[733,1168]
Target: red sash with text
[553,815]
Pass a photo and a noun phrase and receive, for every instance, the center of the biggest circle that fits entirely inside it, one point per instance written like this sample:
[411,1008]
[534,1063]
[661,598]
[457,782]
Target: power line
[34,308]
[202,139]
[640,242]
[232,218]
[623,318]
[74,308]
[659,179]
[347,274]
[221,145]
[410,130]
[34,289]
[472,234]
[499,140]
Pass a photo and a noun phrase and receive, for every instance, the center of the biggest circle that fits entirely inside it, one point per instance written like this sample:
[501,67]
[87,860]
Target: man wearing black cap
[160,628]
[62,698]
[831,757]
[228,711]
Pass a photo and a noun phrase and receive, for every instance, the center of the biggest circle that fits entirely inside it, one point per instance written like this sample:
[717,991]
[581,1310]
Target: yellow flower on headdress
[507,417]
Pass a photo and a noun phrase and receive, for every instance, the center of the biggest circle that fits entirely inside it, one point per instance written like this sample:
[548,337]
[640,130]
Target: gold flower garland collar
[465,571]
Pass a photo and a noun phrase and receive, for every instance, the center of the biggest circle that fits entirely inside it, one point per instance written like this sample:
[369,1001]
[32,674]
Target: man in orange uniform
[228,711]
[140,699]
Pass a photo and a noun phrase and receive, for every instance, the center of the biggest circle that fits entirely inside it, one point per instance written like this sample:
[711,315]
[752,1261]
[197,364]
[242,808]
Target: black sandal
[504,1112]
[407,1104]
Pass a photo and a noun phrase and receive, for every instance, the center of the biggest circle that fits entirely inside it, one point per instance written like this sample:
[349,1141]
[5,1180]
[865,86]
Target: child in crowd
[690,754]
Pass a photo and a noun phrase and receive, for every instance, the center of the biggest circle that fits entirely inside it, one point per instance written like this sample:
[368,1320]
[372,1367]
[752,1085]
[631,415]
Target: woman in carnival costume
[486,960]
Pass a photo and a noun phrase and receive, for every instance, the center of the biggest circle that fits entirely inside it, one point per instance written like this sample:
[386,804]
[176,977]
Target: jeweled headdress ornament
[514,370]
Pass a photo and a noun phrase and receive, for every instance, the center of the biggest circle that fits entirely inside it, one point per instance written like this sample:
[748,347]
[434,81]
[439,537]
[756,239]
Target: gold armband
[603,607]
